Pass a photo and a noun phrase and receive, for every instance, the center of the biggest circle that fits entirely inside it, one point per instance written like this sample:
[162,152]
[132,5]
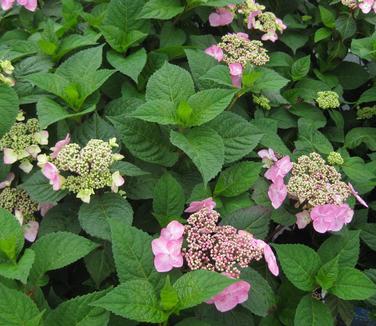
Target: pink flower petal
[366,6]
[356,195]
[221,17]
[8,180]
[303,219]
[270,36]
[44,208]
[162,263]
[331,217]
[10,156]
[160,246]
[277,193]
[173,231]
[215,51]
[7,4]
[31,231]
[59,146]
[271,260]
[195,206]
[279,170]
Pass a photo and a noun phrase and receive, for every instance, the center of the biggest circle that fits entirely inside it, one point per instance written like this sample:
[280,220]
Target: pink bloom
[236,71]
[303,219]
[59,146]
[8,180]
[244,36]
[268,157]
[45,207]
[356,195]
[279,169]
[251,18]
[117,181]
[31,231]
[33,150]
[221,17]
[270,36]
[196,206]
[167,254]
[50,171]
[173,231]
[277,193]
[30,5]
[10,156]
[269,256]
[215,51]
[231,296]
[280,24]
[7,4]
[366,6]
[331,217]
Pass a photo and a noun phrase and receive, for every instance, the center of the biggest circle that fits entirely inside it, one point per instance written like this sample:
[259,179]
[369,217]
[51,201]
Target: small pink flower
[356,195]
[10,156]
[44,208]
[366,6]
[42,137]
[50,171]
[279,170]
[231,296]
[268,157]
[244,36]
[303,219]
[31,231]
[59,146]
[277,193]
[173,231]
[7,4]
[117,181]
[167,254]
[8,180]
[215,51]
[270,36]
[280,24]
[221,17]
[236,71]
[331,217]
[195,206]
[251,18]
[269,256]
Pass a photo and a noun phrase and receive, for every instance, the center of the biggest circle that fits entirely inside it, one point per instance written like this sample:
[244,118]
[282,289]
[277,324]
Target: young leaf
[161,9]
[328,273]
[134,300]
[300,264]
[352,284]
[327,17]
[300,68]
[160,111]
[9,108]
[170,83]
[132,253]
[237,179]
[198,286]
[311,312]
[204,147]
[94,217]
[168,199]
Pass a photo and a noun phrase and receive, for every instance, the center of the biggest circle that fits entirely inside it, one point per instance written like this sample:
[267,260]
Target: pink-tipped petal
[7,4]
[356,195]
[31,231]
[173,231]
[8,180]
[221,17]
[303,219]
[277,193]
[271,260]
[162,263]
[215,51]
[195,206]
[10,156]
[60,145]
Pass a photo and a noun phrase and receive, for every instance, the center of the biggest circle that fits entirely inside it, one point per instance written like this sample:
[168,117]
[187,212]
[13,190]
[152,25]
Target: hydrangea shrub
[187,162]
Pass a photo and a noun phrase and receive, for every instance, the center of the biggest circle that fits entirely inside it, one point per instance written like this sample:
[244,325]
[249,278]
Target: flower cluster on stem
[327,100]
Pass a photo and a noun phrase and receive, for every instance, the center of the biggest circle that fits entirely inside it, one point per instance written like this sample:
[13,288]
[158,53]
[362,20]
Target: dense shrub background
[128,69]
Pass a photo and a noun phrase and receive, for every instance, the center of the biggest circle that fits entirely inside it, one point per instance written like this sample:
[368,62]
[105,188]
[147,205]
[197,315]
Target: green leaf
[368,96]
[49,112]
[351,75]
[204,147]
[311,139]
[128,169]
[368,234]
[130,65]
[134,300]
[327,17]
[346,26]
[328,273]
[57,250]
[78,311]
[198,286]
[364,47]
[237,179]
[160,111]
[218,75]
[311,312]
[294,40]
[145,141]
[11,236]
[17,309]
[237,135]
[161,9]
[300,67]
[169,296]
[262,298]
[170,83]
[321,34]
[208,104]
[268,81]
[365,135]
[352,284]
[9,108]
[346,246]
[168,199]
[300,264]
[132,253]
[253,219]
[20,270]
[94,217]
[40,190]
[75,41]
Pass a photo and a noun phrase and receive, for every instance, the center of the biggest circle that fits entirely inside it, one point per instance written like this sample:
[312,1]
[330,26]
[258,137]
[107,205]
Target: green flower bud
[335,158]
[327,100]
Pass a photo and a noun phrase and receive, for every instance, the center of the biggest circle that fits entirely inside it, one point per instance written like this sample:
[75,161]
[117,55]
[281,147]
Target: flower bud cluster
[82,170]
[262,101]
[218,248]
[366,113]
[314,183]
[6,71]
[22,143]
[237,48]
[327,100]
[335,158]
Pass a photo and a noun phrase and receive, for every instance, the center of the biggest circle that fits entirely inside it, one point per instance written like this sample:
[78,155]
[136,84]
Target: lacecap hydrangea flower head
[315,187]
[82,170]
[22,143]
[203,244]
